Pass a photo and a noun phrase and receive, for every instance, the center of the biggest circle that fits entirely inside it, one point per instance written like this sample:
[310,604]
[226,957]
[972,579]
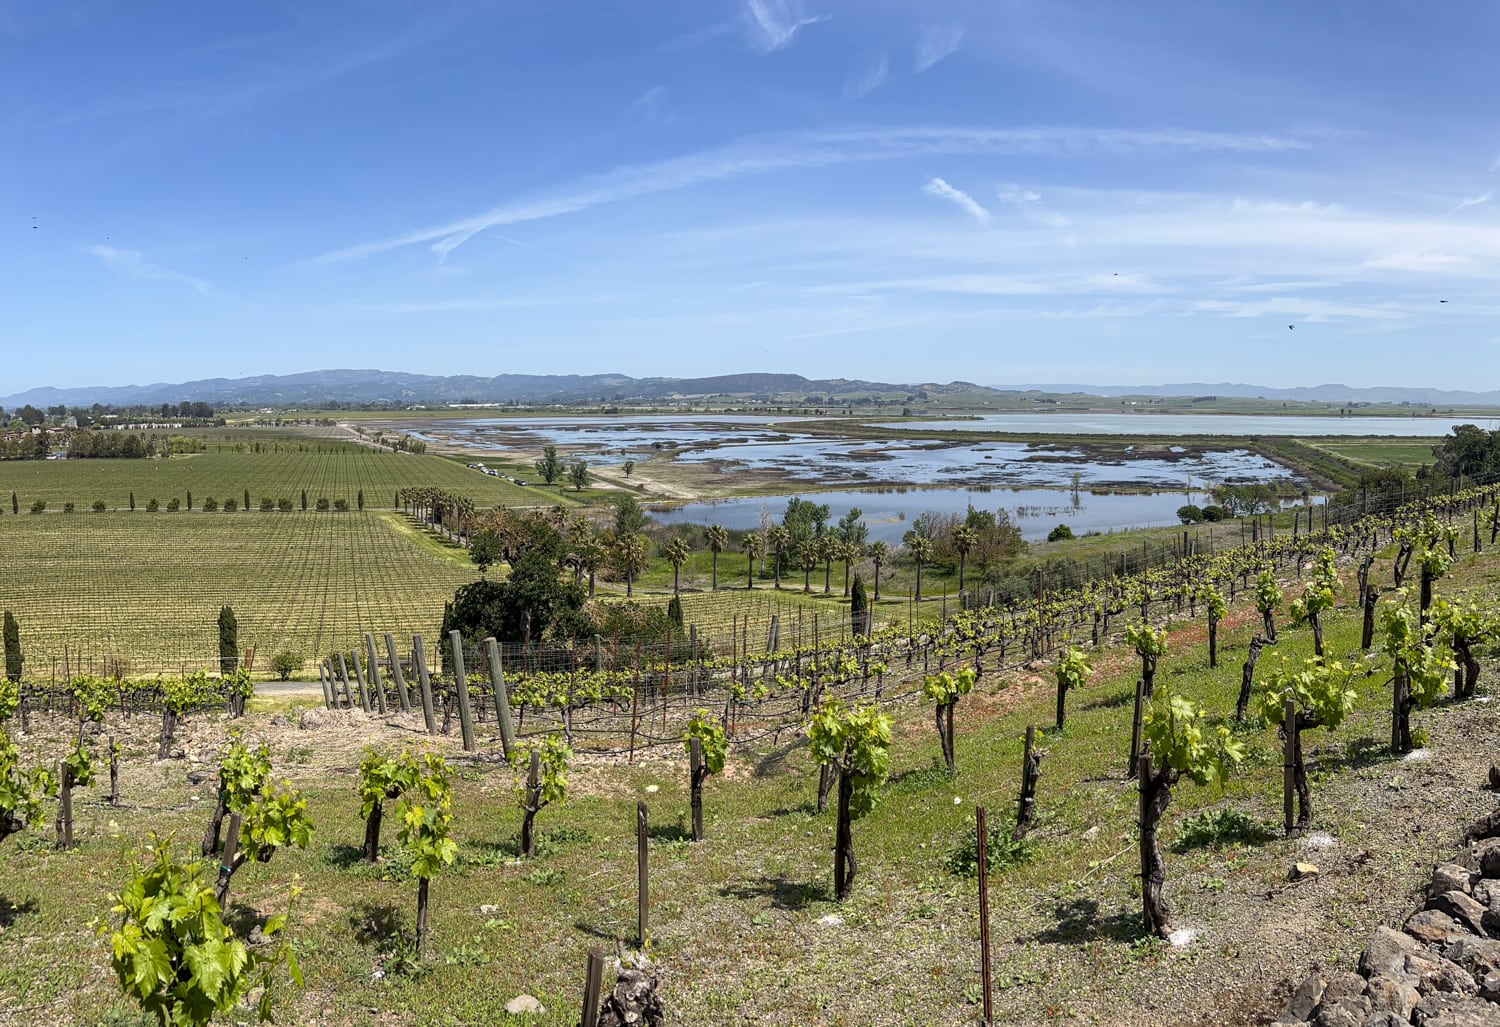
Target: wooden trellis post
[461,686]
[374,662]
[502,700]
[424,683]
[401,694]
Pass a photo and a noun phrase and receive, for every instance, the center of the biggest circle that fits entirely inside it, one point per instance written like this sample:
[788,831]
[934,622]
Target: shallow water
[1196,424]
[744,442]
[890,514]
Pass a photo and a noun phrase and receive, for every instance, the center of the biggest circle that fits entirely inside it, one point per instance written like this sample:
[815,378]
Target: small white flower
[652,789]
[957,801]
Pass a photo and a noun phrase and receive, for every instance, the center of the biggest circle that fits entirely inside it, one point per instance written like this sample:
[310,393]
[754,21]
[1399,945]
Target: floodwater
[889,515]
[732,442]
[1196,424]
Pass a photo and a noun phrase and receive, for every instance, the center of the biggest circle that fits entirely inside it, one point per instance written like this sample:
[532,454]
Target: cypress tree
[13,658]
[190,499]
[674,610]
[859,607]
[304,500]
[360,499]
[247,494]
[132,501]
[229,641]
[15,504]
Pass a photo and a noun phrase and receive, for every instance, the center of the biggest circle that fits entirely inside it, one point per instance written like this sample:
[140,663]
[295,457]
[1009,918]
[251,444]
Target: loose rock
[522,1004]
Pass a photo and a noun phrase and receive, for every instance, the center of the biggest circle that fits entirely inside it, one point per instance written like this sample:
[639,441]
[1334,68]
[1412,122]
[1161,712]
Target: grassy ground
[148,587]
[1378,452]
[743,925]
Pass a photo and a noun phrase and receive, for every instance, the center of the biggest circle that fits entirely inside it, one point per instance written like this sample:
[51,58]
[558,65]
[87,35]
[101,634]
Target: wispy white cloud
[867,79]
[651,106]
[934,43]
[773,23]
[941,189]
[1029,202]
[1417,260]
[766,155]
[1310,310]
[133,264]
[1495,164]
[1472,201]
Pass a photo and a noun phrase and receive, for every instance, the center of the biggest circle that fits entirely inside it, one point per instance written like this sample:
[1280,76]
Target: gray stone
[1484,856]
[1434,927]
[1455,1011]
[1461,907]
[1386,953]
[1384,1018]
[1448,877]
[1489,987]
[1436,974]
[1346,1012]
[1304,1000]
[1393,996]
[1484,827]
[1487,890]
[1346,984]
[1479,956]
[522,1004]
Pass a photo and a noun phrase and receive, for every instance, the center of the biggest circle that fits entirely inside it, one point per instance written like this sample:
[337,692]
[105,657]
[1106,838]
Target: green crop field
[1377,452]
[285,466]
[147,588]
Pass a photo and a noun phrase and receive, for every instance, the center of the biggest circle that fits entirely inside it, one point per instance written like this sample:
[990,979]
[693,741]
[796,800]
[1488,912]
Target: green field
[284,467]
[1378,452]
[147,588]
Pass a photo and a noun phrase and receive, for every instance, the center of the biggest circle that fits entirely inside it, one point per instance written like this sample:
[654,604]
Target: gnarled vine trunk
[1247,677]
[1156,793]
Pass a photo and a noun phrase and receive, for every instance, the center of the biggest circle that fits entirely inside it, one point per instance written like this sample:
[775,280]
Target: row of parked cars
[494,473]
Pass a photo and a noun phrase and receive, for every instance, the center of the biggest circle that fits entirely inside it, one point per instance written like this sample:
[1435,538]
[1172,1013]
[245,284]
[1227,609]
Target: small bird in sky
[1291,328]
[1442,301]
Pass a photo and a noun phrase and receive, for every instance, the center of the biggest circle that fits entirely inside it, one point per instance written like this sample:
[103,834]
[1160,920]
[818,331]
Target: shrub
[152,506]
[38,505]
[174,504]
[284,505]
[210,504]
[1189,513]
[1059,533]
[267,504]
[67,507]
[341,505]
[230,505]
[1213,513]
[285,663]
[98,506]
[323,504]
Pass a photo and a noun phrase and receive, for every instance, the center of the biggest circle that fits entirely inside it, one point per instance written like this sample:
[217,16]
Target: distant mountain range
[1302,393]
[358,387]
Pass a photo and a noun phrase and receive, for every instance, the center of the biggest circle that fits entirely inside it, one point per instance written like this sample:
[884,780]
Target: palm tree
[632,553]
[676,551]
[718,541]
[753,545]
[779,538]
[964,539]
[878,553]
[920,549]
[848,552]
[808,553]
[592,555]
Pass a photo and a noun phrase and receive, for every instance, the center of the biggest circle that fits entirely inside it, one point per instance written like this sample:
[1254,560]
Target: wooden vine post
[461,686]
[226,864]
[1135,729]
[375,683]
[981,842]
[402,696]
[502,698]
[64,806]
[593,984]
[424,682]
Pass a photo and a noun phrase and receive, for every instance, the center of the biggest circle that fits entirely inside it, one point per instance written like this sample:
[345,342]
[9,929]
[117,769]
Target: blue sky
[1000,192]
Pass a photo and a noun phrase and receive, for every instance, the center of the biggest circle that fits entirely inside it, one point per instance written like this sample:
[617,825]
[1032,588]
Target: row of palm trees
[631,554]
